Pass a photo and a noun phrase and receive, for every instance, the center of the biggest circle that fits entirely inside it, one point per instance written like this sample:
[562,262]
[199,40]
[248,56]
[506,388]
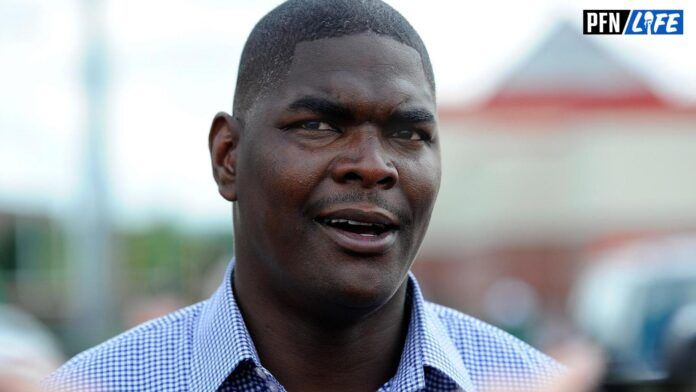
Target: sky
[172,66]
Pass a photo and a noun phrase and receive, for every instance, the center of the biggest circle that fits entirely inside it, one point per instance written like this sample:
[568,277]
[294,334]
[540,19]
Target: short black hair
[269,50]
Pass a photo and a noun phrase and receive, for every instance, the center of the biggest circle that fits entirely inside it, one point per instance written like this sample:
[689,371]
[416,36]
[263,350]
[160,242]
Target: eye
[316,126]
[409,134]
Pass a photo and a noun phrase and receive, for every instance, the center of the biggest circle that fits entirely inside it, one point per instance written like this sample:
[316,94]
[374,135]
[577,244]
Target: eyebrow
[322,106]
[332,109]
[413,116]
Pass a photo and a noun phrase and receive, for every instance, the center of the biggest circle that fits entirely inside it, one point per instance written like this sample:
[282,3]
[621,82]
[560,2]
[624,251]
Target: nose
[363,163]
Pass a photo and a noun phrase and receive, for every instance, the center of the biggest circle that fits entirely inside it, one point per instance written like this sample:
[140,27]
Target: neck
[361,352]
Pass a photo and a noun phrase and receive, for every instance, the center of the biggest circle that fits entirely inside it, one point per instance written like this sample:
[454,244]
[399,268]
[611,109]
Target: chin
[336,282]
[363,291]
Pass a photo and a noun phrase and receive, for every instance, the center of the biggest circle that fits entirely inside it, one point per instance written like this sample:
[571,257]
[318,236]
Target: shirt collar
[221,341]
[428,345]
[220,337]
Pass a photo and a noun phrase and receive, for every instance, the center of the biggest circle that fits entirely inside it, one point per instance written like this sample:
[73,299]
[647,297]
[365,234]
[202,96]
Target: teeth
[352,222]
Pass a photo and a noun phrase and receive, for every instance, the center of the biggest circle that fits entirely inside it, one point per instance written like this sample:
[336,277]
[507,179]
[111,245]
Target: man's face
[337,172]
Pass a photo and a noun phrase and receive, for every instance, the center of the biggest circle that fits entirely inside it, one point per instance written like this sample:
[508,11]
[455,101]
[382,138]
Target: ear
[223,141]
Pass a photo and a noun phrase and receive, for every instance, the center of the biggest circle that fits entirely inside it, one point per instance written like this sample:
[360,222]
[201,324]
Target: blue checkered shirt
[206,347]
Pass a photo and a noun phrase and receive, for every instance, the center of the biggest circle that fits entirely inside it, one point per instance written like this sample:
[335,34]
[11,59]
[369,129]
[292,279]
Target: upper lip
[371,214]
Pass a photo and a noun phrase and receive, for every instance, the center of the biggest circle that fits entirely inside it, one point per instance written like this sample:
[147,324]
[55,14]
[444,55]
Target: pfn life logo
[633,22]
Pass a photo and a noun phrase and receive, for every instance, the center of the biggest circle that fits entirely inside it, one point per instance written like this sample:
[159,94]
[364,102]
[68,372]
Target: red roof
[568,71]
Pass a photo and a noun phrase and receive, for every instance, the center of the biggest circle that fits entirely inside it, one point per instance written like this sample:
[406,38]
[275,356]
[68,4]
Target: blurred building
[572,151]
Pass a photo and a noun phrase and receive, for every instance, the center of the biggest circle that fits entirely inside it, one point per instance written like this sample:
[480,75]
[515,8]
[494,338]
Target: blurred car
[639,303]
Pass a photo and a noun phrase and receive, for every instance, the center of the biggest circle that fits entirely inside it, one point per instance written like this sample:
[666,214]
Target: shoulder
[492,355]
[147,357]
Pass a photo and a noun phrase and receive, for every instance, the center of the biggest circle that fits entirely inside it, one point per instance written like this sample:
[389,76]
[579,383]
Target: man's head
[269,50]
[332,157]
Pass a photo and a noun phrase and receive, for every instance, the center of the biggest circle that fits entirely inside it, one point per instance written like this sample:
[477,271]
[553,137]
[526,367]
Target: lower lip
[357,243]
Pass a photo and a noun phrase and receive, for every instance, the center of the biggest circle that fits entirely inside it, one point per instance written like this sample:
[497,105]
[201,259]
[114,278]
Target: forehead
[363,69]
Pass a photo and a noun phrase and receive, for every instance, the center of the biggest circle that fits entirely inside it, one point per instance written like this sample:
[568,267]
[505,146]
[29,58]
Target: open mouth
[365,229]
[360,231]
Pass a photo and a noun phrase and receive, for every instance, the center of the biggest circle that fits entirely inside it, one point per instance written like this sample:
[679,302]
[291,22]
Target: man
[331,162]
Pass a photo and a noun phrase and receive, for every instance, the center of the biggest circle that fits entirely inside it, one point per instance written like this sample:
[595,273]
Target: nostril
[388,180]
[366,174]
[352,176]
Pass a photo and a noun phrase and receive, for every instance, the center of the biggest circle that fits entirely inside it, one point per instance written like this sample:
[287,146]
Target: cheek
[289,174]
[270,171]
[420,180]
[282,178]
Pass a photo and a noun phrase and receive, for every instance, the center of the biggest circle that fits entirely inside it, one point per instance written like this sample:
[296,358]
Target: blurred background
[567,205]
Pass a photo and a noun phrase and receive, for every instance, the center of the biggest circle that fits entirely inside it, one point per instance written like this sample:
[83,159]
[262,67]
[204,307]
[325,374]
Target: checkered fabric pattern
[206,347]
